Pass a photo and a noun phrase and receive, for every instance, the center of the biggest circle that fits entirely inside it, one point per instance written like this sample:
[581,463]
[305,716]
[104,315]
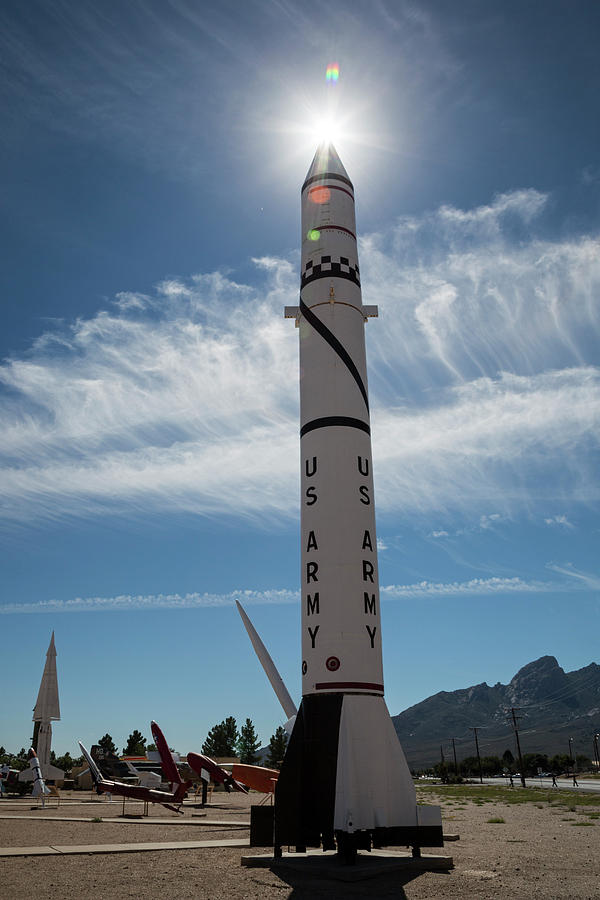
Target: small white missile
[40,789]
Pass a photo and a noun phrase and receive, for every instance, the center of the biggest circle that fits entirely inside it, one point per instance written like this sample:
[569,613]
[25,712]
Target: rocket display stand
[344,783]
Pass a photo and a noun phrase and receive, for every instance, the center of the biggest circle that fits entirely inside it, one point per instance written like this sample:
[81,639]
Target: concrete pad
[368,865]
[92,849]
[28,851]
[212,823]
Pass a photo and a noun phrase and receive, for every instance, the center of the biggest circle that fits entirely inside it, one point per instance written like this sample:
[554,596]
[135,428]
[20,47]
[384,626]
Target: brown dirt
[535,853]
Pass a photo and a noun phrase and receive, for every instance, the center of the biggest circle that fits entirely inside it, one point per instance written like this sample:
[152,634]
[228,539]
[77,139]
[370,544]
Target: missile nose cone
[326,161]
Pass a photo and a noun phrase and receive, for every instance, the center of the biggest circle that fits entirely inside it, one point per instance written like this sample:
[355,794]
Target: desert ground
[513,844]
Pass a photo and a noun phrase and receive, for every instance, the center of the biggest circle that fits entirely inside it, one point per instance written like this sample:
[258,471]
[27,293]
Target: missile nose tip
[326,160]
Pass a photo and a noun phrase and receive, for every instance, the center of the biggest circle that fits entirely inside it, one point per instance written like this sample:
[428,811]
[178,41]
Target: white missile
[47,709]
[277,683]
[40,789]
[344,748]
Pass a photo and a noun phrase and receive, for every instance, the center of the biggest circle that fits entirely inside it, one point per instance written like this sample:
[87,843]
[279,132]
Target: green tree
[468,766]
[65,762]
[136,744]
[277,747]
[20,761]
[534,761]
[560,762]
[222,739]
[508,760]
[441,771]
[248,743]
[107,745]
[491,765]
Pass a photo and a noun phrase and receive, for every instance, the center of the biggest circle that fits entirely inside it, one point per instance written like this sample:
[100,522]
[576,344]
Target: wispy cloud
[488,521]
[484,384]
[559,521]
[479,587]
[461,303]
[590,579]
[140,602]
[473,587]
[500,440]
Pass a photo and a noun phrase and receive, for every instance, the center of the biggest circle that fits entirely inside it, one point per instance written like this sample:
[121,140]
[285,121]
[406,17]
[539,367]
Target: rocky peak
[536,680]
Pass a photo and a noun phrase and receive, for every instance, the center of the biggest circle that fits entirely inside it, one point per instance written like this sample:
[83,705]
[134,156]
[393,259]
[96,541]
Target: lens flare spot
[314,234]
[332,73]
[319,195]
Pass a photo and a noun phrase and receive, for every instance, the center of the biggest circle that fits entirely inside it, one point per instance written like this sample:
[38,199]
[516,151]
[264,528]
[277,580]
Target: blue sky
[152,158]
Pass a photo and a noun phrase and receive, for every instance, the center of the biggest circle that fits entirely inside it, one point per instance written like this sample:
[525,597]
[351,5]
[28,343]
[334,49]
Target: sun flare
[326,130]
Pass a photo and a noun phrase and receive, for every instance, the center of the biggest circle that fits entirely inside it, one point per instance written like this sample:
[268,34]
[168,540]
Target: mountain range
[551,706]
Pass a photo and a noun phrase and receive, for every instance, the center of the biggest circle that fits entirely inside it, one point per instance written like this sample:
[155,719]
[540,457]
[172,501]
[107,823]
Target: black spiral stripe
[333,342]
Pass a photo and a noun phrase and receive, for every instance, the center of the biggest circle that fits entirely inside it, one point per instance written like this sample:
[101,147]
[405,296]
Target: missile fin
[282,693]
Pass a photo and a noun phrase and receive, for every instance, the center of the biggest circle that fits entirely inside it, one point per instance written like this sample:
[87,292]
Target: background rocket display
[46,710]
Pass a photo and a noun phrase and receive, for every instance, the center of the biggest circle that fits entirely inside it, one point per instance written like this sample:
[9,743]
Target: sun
[326,130]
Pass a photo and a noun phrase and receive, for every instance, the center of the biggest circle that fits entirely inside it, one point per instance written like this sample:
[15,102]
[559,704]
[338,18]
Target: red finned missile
[172,801]
[199,763]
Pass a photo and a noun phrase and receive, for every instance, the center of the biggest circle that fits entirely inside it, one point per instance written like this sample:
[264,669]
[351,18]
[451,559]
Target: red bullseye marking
[319,195]
[332,664]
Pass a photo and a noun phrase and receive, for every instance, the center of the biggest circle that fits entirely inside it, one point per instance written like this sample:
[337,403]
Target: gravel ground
[539,851]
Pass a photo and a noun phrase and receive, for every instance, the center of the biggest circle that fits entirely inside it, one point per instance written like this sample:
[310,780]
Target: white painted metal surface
[341,634]
[289,707]
[47,709]
[341,628]
[374,787]
[47,706]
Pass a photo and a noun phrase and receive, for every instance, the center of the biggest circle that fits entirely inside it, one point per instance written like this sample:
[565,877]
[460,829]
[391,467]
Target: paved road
[563,783]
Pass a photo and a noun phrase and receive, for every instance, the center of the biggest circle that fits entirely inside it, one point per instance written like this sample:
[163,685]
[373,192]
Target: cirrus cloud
[483,371]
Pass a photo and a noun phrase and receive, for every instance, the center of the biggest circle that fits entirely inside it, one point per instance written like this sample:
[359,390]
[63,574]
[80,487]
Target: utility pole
[513,710]
[572,762]
[474,730]
[571,755]
[597,752]
[455,763]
